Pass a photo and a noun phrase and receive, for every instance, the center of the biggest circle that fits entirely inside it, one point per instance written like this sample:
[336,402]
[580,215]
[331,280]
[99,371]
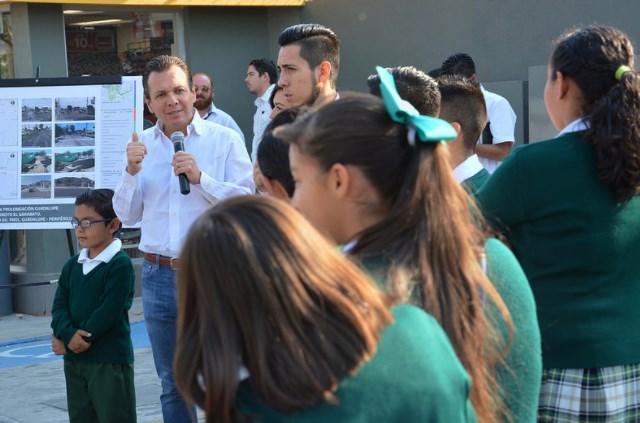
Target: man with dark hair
[262,76]
[498,136]
[204,90]
[463,106]
[413,85]
[217,165]
[309,62]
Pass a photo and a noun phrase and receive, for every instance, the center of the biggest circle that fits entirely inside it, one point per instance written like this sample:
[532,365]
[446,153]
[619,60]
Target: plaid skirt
[604,395]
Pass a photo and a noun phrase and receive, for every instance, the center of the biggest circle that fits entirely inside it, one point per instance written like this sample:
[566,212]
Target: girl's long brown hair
[428,236]
[260,288]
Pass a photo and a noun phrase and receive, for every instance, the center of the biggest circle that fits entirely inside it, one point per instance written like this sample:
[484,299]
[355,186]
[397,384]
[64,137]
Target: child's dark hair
[590,57]
[273,153]
[298,315]
[463,102]
[100,200]
[413,85]
[458,64]
[272,97]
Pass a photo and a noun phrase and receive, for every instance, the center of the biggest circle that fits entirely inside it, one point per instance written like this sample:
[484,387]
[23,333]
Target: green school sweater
[578,248]
[99,303]
[473,183]
[521,374]
[414,376]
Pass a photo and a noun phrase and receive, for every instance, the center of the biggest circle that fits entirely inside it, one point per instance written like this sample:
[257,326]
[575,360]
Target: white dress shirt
[105,256]
[502,118]
[467,169]
[260,119]
[223,118]
[152,196]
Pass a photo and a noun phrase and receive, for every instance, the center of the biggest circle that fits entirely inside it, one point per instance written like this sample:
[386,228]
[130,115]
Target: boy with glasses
[90,316]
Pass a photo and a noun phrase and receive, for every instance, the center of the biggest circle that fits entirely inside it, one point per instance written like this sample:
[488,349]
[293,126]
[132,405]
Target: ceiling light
[101,22]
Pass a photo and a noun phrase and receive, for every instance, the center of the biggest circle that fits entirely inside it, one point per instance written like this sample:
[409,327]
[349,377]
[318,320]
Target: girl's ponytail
[615,134]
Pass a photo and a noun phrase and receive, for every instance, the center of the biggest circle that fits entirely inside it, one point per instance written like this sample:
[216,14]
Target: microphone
[177,138]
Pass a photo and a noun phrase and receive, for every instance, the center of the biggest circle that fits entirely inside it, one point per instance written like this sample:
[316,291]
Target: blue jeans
[159,303]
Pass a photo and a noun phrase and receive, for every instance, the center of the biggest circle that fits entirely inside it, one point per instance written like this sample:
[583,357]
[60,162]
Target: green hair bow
[429,129]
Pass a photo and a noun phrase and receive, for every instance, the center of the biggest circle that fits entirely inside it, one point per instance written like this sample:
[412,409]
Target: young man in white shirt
[261,78]
[309,63]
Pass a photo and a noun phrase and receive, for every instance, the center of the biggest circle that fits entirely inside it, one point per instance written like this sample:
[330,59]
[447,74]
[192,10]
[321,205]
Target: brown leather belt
[163,261]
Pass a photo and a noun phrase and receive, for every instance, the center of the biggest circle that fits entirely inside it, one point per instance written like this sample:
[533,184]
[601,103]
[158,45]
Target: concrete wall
[505,38]
[39,40]
[222,41]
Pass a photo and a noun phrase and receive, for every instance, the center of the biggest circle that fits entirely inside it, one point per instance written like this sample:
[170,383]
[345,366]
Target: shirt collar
[579,124]
[265,97]
[213,110]
[468,168]
[105,255]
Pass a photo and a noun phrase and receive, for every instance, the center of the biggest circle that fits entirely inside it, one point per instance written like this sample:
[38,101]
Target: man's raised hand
[135,155]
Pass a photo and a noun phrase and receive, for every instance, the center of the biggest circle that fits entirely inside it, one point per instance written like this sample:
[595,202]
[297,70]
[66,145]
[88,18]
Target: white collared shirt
[152,197]
[261,120]
[105,256]
[467,169]
[579,124]
[502,120]
[223,118]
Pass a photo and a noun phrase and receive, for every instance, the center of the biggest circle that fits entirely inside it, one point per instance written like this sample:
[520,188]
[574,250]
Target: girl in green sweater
[276,325]
[571,211]
[374,176]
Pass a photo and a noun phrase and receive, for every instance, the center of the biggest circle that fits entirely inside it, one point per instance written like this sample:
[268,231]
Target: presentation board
[57,141]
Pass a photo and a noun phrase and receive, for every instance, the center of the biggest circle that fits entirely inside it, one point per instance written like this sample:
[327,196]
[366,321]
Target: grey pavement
[35,393]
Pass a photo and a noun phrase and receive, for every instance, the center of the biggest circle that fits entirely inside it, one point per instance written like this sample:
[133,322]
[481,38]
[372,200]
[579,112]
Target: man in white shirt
[499,134]
[204,90]
[217,166]
[261,79]
[309,62]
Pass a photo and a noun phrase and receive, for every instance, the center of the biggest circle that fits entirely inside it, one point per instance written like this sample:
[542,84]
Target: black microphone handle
[178,145]
[184,184]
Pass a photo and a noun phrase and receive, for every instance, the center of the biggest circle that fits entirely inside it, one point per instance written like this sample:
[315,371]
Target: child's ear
[275,188]
[114,226]
[339,180]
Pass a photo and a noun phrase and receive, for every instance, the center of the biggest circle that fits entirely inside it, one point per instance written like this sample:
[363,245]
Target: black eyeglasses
[86,223]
